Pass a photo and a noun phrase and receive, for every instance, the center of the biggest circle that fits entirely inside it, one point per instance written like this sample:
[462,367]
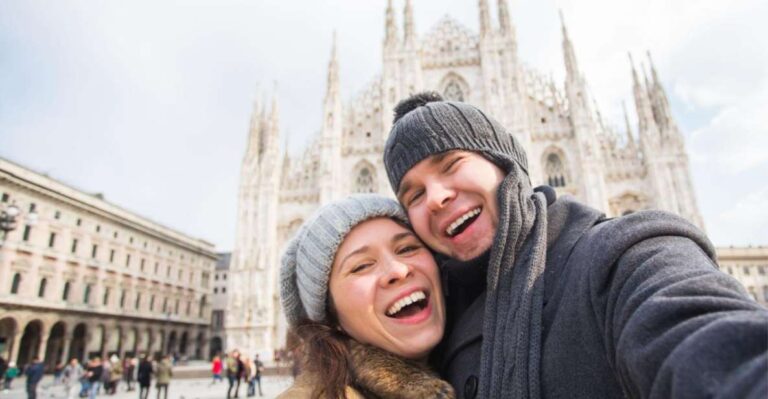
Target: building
[568,144]
[219,305]
[81,277]
[749,265]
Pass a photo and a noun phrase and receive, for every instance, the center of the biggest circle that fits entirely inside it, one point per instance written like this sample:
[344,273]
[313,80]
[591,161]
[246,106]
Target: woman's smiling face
[385,289]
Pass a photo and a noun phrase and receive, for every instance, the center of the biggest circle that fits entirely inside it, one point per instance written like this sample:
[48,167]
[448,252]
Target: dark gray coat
[633,307]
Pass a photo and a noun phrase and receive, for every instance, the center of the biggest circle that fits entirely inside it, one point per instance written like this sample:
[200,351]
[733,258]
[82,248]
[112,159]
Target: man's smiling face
[451,202]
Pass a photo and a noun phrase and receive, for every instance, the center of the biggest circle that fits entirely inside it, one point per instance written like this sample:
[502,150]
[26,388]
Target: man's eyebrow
[436,159]
[353,253]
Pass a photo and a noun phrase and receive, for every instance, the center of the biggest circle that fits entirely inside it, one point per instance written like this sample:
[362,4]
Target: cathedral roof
[449,43]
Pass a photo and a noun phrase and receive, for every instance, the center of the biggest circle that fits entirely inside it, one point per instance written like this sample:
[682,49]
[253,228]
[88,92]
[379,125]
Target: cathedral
[569,147]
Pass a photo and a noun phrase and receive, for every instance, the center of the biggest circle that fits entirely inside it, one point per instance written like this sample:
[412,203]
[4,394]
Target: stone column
[65,344]
[15,345]
[43,344]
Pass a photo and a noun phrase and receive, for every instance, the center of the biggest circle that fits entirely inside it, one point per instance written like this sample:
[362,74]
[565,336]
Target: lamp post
[8,220]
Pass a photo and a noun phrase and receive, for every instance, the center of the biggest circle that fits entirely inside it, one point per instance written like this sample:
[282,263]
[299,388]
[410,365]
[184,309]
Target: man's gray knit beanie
[307,262]
[427,125]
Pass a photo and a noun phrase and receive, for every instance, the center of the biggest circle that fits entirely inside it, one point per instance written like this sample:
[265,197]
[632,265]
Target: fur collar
[380,374]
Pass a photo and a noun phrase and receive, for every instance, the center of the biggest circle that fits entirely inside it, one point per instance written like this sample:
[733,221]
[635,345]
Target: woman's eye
[360,267]
[408,249]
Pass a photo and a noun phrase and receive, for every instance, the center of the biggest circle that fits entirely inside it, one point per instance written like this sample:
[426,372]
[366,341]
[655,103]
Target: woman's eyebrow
[401,236]
[353,253]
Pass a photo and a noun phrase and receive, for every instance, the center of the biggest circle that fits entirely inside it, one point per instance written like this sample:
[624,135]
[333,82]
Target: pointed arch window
[555,171]
[364,181]
[16,283]
[453,91]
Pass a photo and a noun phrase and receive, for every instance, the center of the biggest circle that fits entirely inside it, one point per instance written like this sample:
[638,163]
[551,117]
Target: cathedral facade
[568,146]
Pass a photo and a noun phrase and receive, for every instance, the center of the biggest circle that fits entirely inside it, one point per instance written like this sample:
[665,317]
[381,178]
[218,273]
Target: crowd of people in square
[238,369]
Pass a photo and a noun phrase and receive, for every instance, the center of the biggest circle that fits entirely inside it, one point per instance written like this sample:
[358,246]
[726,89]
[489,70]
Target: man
[34,373]
[95,371]
[258,366]
[547,297]
[164,373]
[234,373]
[71,376]
[144,376]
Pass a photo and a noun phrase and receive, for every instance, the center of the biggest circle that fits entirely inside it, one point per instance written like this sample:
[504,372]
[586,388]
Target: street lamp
[8,218]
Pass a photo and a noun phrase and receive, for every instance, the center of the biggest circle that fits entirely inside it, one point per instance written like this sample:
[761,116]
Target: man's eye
[416,195]
[449,165]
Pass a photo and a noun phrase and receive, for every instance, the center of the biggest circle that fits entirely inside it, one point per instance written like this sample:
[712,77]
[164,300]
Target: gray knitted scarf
[511,349]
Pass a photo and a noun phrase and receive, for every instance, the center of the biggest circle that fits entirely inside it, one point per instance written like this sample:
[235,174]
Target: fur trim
[383,375]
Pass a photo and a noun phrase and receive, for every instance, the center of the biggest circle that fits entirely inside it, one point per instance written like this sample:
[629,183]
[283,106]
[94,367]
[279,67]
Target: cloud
[746,222]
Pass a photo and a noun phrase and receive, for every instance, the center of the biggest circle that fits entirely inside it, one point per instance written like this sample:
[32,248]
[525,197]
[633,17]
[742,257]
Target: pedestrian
[71,377]
[11,372]
[248,372]
[216,369]
[129,369]
[550,298]
[258,367]
[164,373]
[34,373]
[95,372]
[144,376]
[115,374]
[58,371]
[234,366]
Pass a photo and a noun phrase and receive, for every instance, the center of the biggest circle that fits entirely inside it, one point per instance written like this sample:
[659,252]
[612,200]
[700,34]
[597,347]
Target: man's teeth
[458,222]
[405,301]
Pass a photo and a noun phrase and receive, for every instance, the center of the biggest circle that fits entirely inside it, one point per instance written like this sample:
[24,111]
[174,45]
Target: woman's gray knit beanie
[307,262]
[426,125]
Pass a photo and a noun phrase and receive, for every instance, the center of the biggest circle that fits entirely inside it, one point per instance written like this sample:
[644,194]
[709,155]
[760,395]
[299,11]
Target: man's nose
[438,195]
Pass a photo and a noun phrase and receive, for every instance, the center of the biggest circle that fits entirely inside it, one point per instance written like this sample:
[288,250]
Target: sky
[148,102]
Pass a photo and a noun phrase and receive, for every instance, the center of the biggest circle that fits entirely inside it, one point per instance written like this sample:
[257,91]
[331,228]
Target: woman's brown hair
[325,356]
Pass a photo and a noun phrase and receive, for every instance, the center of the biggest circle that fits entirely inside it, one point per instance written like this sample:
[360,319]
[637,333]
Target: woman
[144,376]
[363,294]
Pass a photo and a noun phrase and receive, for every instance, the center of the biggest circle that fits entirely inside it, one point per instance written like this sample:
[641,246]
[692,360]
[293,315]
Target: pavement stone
[192,388]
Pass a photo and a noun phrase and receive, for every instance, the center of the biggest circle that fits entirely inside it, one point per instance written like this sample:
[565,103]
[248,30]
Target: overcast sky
[148,102]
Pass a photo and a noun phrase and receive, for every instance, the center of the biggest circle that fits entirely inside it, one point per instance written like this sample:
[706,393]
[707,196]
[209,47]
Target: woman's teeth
[405,301]
[451,230]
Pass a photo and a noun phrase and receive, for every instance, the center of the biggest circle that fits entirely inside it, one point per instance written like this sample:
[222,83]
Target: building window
[224,276]
[157,267]
[122,299]
[79,222]
[51,240]
[202,306]
[73,249]
[453,91]
[138,302]
[152,303]
[364,181]
[218,318]
[176,308]
[111,255]
[94,251]
[128,260]
[65,293]
[57,215]
[761,270]
[216,276]
[27,231]
[189,307]
[181,273]
[165,305]
[105,299]
[5,197]
[215,290]
[98,228]
[87,294]
[141,264]
[41,290]
[555,171]
[114,235]
[223,290]
[16,283]
[746,270]
[168,271]
[32,207]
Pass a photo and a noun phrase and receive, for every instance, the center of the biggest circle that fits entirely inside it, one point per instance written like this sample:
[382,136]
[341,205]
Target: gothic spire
[409,34]
[630,137]
[571,67]
[254,133]
[642,103]
[391,25]
[332,83]
[485,18]
[504,23]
